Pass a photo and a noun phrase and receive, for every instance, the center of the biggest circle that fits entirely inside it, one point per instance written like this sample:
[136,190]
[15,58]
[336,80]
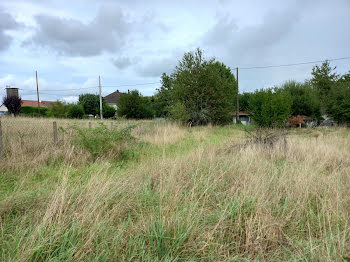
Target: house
[33,103]
[48,103]
[244,117]
[3,110]
[301,120]
[112,99]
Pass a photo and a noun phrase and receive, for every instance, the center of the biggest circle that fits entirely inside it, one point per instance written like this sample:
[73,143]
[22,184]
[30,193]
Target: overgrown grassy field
[157,191]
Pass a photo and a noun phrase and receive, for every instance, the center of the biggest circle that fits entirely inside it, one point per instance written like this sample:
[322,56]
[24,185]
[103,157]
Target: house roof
[300,117]
[3,108]
[305,118]
[113,98]
[241,113]
[48,103]
[33,103]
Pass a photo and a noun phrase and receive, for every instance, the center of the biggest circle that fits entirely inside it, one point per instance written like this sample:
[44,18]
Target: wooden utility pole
[1,144]
[55,139]
[99,85]
[37,90]
[237,99]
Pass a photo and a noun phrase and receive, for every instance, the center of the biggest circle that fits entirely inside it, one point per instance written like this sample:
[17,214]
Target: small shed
[301,121]
[244,117]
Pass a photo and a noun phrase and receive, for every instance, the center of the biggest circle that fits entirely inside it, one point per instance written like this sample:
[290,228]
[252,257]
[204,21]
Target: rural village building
[301,121]
[112,99]
[244,118]
[33,103]
[3,110]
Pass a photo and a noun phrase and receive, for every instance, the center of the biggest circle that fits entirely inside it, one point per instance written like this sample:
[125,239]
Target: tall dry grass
[285,203]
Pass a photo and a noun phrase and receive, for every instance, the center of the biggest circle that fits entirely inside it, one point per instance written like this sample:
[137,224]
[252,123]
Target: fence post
[111,126]
[1,144]
[89,125]
[55,133]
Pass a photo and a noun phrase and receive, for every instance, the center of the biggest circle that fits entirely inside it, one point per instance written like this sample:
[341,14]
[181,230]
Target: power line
[294,64]
[142,84]
[82,88]
[57,90]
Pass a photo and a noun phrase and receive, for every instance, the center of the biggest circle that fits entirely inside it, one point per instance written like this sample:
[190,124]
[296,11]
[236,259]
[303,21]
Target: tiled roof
[113,97]
[32,103]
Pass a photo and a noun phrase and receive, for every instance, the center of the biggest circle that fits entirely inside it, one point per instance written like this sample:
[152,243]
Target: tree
[304,99]
[13,104]
[75,111]
[108,111]
[270,107]
[162,100]
[90,103]
[323,78]
[204,88]
[244,101]
[338,101]
[58,109]
[133,105]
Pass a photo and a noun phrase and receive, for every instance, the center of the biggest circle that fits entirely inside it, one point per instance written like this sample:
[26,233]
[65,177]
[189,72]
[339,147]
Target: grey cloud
[107,32]
[156,67]
[253,41]
[7,22]
[122,62]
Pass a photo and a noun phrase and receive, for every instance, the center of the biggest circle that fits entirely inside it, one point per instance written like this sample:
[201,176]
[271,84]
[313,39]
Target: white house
[244,118]
[3,110]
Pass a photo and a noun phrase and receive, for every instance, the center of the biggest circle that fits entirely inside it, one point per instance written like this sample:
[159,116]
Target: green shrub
[108,111]
[33,111]
[75,111]
[101,141]
[134,105]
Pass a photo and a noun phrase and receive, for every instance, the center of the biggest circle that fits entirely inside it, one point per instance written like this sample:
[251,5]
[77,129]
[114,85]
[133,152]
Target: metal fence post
[1,144]
[55,133]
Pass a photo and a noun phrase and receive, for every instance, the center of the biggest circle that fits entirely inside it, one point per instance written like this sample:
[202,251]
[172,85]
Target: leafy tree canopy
[13,104]
[133,105]
[323,78]
[203,90]
[91,103]
[270,107]
[304,99]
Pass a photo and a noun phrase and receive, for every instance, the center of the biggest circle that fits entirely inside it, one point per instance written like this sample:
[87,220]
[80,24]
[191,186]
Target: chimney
[11,91]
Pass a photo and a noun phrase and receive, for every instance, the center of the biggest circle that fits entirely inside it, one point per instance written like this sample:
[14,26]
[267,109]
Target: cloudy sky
[130,43]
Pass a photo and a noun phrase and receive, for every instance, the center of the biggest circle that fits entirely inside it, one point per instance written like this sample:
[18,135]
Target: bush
[33,111]
[338,105]
[178,112]
[75,111]
[101,141]
[133,105]
[13,104]
[270,107]
[58,109]
[305,100]
[108,111]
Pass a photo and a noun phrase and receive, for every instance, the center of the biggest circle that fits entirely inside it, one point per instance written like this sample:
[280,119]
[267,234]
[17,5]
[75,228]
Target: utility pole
[237,99]
[99,85]
[37,90]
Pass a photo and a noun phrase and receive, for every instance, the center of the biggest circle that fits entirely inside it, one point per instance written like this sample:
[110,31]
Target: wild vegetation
[158,191]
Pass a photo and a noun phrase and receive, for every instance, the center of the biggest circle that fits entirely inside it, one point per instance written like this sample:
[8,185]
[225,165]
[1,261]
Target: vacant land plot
[156,191]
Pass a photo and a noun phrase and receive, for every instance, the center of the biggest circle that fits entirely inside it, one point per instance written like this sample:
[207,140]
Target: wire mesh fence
[28,136]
